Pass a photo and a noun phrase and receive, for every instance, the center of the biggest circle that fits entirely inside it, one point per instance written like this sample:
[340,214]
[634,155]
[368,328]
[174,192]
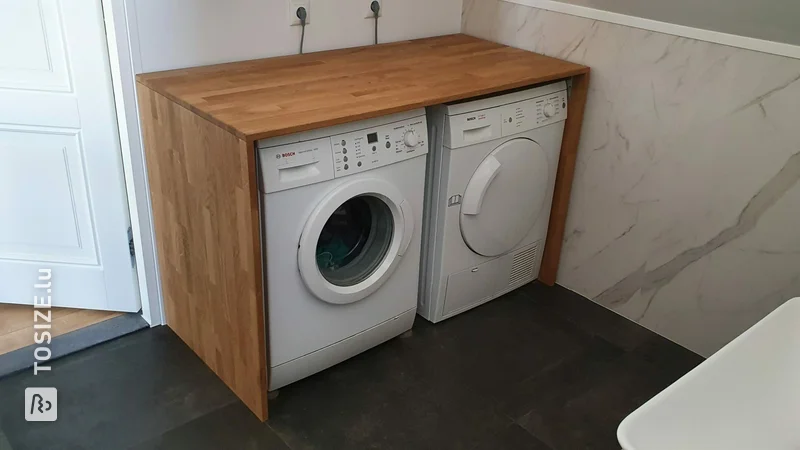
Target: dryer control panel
[506,115]
[529,114]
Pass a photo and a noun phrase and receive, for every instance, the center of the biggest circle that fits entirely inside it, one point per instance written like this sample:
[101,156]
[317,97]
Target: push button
[388,144]
[346,167]
[345,159]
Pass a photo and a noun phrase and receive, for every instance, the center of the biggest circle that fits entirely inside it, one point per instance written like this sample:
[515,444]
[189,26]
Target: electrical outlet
[369,14]
[292,11]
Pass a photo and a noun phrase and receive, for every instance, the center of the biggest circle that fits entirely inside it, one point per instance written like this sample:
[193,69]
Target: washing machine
[342,216]
[491,175]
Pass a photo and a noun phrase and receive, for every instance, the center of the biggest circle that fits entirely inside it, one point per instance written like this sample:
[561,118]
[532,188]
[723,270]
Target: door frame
[125,61]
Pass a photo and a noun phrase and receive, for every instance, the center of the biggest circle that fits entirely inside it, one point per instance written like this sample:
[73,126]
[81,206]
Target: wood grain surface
[16,323]
[275,96]
[564,177]
[205,208]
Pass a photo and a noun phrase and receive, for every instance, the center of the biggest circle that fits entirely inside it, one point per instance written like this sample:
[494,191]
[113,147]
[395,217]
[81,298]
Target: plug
[298,11]
[375,9]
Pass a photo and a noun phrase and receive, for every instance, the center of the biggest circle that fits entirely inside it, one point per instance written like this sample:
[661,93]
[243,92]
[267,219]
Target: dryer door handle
[478,185]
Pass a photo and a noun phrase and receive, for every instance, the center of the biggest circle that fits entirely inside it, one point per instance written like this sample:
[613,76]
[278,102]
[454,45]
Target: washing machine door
[354,240]
[504,197]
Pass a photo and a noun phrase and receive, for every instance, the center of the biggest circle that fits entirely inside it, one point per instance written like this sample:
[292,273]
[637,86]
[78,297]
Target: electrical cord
[375,6]
[302,14]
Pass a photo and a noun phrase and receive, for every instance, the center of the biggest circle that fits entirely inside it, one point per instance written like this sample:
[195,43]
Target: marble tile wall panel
[685,215]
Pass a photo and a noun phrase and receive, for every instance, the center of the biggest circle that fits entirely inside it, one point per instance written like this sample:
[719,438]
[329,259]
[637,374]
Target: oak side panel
[564,176]
[204,192]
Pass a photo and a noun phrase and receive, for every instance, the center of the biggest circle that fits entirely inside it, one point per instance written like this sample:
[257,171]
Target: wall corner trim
[717,37]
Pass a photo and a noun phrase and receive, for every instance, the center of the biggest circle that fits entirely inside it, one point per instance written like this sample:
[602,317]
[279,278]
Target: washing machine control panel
[314,156]
[378,146]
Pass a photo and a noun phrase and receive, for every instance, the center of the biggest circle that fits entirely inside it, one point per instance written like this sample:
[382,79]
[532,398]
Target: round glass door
[354,240]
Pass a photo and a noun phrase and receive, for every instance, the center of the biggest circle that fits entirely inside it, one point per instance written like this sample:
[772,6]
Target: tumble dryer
[490,180]
[342,215]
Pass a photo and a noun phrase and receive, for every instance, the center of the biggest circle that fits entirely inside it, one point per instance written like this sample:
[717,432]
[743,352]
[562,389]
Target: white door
[504,197]
[62,196]
[354,239]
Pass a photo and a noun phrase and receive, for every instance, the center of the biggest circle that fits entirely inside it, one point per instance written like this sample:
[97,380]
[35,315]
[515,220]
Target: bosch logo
[287,154]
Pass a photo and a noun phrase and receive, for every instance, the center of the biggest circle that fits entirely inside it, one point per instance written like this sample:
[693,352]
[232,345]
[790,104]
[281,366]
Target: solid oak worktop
[275,96]
[199,128]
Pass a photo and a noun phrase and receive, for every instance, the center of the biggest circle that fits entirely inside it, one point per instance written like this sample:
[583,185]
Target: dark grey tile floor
[540,368]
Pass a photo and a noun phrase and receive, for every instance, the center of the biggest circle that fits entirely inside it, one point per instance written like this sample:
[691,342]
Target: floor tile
[539,368]
[585,412]
[512,437]
[670,357]
[496,345]
[384,398]
[115,395]
[588,316]
[561,382]
[4,444]
[230,427]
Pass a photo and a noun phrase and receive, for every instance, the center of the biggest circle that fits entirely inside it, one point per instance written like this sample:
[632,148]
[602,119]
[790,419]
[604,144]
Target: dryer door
[354,240]
[504,197]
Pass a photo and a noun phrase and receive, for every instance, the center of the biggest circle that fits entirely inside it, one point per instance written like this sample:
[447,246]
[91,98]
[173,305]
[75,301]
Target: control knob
[410,139]
[549,110]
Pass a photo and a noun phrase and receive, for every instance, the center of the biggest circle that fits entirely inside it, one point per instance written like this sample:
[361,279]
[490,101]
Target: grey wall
[773,20]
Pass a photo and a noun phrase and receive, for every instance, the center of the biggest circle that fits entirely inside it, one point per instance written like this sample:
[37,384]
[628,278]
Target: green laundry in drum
[343,236]
[332,253]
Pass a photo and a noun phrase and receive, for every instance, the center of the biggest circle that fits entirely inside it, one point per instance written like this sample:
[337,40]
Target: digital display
[372,138]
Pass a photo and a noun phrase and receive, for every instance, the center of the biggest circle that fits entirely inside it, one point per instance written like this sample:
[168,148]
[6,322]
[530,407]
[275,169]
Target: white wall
[773,20]
[185,33]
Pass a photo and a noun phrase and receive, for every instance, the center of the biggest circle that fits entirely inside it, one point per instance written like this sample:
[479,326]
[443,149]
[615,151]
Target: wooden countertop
[276,96]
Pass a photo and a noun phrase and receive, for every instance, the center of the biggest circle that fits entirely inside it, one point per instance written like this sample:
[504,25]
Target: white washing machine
[491,175]
[342,214]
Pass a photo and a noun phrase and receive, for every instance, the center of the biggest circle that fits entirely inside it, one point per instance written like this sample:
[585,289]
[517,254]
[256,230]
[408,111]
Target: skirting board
[717,37]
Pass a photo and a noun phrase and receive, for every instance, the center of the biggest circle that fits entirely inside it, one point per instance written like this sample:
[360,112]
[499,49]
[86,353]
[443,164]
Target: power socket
[369,14]
[292,11]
